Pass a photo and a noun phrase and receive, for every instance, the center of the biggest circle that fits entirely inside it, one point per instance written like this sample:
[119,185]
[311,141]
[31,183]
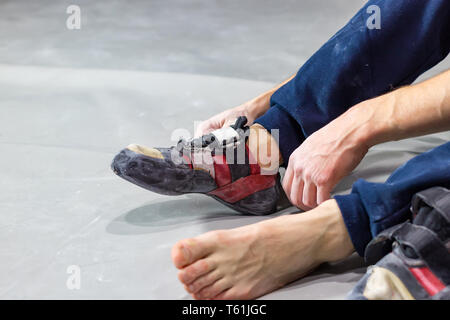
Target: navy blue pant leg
[359,63]
[373,207]
[356,64]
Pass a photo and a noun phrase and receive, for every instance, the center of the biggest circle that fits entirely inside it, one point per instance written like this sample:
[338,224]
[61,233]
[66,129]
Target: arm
[252,109]
[334,151]
[407,112]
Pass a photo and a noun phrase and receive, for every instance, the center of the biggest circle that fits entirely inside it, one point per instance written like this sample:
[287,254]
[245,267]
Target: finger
[287,182]
[309,194]
[201,129]
[228,123]
[300,197]
[297,191]
[323,194]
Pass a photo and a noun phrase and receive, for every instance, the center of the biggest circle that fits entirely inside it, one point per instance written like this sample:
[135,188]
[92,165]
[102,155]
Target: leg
[250,261]
[358,63]
[374,207]
[253,260]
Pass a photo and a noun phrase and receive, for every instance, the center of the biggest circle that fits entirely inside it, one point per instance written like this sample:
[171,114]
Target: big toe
[187,251]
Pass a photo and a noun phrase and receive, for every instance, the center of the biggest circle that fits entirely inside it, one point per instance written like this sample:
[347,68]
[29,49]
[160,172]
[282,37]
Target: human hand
[224,119]
[322,160]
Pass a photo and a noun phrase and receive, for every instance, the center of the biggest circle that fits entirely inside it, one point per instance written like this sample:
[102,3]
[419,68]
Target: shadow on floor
[172,214]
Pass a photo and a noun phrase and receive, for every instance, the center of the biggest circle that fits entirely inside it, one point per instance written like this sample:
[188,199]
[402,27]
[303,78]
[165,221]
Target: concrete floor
[251,39]
[135,72]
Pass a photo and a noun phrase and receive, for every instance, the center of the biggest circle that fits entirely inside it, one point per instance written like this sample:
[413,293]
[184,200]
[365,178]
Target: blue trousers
[356,64]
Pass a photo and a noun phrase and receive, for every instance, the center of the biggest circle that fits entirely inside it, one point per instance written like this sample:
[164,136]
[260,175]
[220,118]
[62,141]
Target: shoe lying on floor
[219,165]
[419,265]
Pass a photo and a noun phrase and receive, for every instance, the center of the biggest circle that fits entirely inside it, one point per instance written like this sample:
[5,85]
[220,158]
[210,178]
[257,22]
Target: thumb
[203,128]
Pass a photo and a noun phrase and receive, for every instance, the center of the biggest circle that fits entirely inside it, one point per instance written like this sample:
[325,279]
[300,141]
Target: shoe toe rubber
[156,172]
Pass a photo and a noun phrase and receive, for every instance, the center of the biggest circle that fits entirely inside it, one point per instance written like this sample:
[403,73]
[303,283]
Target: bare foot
[250,261]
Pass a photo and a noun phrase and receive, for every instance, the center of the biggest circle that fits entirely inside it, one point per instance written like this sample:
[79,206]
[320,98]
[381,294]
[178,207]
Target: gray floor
[136,72]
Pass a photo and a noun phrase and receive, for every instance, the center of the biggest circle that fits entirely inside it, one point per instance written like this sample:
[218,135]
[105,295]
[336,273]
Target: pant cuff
[356,220]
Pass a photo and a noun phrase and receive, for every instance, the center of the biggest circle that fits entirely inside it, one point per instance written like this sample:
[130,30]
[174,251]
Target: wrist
[258,106]
[377,118]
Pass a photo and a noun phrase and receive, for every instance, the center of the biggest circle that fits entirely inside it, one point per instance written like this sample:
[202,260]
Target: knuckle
[219,236]
[307,175]
[321,179]
[203,266]
[298,169]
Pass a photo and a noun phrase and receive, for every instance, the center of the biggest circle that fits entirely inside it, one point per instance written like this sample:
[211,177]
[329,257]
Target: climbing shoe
[415,257]
[218,164]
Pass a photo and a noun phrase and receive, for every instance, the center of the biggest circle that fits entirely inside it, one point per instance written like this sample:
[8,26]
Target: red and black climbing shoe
[418,265]
[218,164]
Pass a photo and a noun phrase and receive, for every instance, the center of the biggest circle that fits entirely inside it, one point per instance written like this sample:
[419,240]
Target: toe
[234,293]
[224,295]
[213,290]
[178,258]
[203,281]
[192,272]
[187,251]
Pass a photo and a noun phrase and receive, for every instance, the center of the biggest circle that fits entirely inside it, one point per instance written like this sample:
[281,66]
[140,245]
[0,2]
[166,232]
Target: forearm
[406,112]
[259,105]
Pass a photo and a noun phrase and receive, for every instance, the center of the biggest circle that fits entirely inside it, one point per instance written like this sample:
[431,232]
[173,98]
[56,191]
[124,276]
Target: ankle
[264,149]
[334,243]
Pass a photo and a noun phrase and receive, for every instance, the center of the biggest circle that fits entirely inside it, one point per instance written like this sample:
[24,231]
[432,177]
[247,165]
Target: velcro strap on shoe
[238,162]
[437,198]
[244,187]
[234,165]
[381,245]
[430,208]
[427,246]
